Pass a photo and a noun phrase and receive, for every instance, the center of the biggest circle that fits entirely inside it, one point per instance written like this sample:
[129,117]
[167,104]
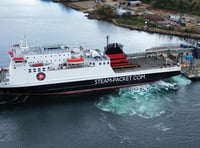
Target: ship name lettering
[120,79]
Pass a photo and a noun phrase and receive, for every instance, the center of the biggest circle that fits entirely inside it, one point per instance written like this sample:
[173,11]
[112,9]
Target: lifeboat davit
[75,61]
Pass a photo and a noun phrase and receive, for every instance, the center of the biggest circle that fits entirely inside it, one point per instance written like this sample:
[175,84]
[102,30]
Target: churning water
[147,101]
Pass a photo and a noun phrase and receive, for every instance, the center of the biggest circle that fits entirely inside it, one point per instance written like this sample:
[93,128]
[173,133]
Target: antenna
[107,38]
[24,43]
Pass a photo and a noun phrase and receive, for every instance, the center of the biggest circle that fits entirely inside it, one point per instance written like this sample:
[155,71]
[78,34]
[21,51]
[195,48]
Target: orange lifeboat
[18,59]
[37,65]
[75,61]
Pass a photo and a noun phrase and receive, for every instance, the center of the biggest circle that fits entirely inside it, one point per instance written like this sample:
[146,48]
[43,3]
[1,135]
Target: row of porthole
[43,69]
[50,61]
[46,56]
[36,70]
[104,63]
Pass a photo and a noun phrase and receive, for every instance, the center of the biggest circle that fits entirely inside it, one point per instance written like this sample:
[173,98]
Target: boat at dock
[60,69]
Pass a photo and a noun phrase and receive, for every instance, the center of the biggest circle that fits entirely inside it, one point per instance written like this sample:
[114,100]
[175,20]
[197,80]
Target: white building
[134,3]
[122,11]
[174,18]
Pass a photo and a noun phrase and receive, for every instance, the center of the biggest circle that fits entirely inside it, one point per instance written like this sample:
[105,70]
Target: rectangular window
[18,61]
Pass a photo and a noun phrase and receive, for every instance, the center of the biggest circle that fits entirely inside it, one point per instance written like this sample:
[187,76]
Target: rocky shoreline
[88,7]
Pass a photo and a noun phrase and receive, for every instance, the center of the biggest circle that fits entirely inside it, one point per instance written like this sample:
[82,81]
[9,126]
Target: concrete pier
[189,68]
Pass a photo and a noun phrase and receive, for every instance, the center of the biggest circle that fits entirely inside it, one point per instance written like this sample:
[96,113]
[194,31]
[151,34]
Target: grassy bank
[131,20]
[156,30]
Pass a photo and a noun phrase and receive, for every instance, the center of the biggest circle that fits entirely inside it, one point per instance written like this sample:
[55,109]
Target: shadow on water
[24,102]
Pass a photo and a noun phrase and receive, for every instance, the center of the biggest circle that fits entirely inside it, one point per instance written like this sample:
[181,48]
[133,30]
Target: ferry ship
[60,69]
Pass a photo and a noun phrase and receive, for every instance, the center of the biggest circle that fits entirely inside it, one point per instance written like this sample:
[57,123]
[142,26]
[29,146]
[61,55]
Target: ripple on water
[161,127]
[3,136]
[147,101]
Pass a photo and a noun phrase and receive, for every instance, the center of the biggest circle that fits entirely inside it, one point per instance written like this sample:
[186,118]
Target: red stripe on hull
[73,92]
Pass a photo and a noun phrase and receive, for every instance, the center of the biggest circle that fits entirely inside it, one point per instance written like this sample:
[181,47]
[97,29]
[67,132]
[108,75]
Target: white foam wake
[147,101]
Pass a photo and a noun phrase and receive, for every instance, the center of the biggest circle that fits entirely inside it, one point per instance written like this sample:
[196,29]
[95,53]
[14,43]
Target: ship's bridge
[57,56]
[95,57]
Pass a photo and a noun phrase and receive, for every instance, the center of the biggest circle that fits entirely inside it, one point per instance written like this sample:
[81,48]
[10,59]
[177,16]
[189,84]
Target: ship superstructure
[61,69]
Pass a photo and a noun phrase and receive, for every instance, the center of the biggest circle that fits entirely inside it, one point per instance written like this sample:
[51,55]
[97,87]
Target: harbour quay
[188,57]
